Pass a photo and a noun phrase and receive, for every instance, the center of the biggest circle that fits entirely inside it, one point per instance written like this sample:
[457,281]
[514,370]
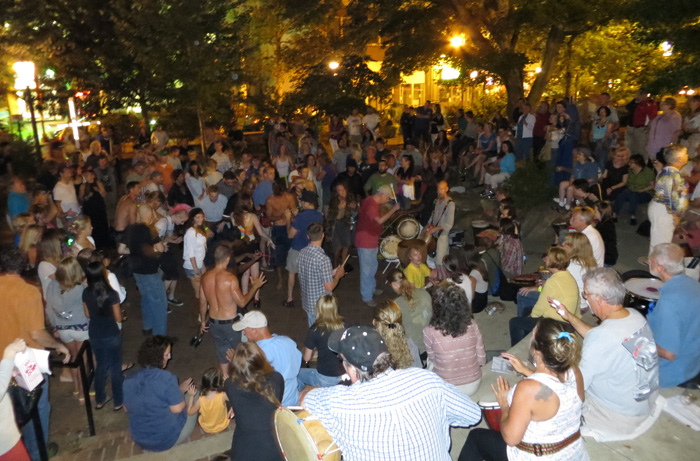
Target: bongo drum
[389,247]
[492,414]
[642,294]
[478,226]
[302,437]
[407,227]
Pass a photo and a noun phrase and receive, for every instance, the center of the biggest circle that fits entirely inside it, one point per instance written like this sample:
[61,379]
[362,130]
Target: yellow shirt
[562,287]
[417,274]
[213,414]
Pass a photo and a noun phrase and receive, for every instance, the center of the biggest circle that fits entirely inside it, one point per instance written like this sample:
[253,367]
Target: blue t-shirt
[675,322]
[148,395]
[508,163]
[262,191]
[17,203]
[285,358]
[484,141]
[301,224]
[586,170]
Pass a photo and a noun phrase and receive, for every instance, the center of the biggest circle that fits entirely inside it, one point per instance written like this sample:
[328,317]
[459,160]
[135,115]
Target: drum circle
[389,247]
[642,294]
[408,228]
[301,436]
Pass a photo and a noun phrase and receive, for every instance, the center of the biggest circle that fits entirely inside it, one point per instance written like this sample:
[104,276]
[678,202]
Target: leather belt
[224,322]
[543,449]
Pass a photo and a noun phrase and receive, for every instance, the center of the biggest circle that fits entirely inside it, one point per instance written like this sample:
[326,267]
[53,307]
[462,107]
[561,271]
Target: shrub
[530,185]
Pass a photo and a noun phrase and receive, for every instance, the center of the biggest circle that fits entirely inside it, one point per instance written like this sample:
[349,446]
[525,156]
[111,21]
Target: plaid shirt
[671,190]
[315,270]
[511,255]
[398,415]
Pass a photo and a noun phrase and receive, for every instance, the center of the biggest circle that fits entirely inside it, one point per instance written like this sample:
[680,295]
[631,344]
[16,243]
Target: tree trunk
[555,40]
[513,80]
[201,128]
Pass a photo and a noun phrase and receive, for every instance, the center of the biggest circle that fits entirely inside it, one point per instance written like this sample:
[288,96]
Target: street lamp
[457,41]
[333,65]
[25,82]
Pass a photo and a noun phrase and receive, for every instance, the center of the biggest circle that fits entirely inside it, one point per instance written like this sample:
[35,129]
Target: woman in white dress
[541,415]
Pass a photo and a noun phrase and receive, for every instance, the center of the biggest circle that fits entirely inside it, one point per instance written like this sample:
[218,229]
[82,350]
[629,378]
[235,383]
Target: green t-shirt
[638,181]
[376,181]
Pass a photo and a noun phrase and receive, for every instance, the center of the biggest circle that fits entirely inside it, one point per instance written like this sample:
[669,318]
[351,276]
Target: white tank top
[282,168]
[565,423]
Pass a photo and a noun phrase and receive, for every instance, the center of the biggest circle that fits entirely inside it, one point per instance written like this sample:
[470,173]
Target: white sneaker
[556,200]
[567,207]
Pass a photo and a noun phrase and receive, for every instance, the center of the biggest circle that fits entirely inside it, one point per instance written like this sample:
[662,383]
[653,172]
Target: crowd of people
[93,218]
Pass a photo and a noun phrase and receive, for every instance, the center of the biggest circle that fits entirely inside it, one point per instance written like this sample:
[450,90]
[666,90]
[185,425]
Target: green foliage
[124,126]
[25,161]
[529,185]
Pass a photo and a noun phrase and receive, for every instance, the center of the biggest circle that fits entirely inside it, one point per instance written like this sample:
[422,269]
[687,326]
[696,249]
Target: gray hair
[670,257]
[382,363]
[606,283]
[674,152]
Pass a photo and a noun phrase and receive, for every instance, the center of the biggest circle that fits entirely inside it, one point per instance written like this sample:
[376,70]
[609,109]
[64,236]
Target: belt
[224,322]
[543,449]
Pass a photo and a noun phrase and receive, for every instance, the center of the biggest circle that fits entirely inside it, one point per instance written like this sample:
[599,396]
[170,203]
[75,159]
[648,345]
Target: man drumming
[388,413]
[221,293]
[441,222]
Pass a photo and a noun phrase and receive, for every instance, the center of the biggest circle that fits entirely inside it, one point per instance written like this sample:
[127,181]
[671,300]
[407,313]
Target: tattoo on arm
[544,393]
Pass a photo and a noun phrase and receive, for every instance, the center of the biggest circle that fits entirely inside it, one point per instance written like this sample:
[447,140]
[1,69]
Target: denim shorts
[190,273]
[225,338]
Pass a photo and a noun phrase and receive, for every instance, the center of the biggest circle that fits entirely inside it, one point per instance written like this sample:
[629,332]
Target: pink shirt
[456,360]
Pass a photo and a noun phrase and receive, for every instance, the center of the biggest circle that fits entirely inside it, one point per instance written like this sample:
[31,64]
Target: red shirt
[644,109]
[368,229]
[541,122]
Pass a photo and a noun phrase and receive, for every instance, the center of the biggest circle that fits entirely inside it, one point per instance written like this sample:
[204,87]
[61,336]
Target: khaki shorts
[293,261]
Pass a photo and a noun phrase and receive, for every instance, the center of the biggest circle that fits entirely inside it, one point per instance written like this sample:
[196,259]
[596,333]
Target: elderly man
[619,361]
[316,275]
[213,208]
[280,351]
[670,197]
[369,227]
[357,416]
[675,320]
[581,221]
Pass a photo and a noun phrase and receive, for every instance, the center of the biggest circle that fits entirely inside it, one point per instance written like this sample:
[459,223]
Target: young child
[416,270]
[214,414]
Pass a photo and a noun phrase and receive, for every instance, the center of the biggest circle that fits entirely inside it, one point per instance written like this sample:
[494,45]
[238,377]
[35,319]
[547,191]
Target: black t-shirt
[139,236]
[102,322]
[329,363]
[254,436]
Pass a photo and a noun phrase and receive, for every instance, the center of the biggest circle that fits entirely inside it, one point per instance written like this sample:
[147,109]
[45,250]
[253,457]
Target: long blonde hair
[580,249]
[327,314]
[387,321]
[31,235]
[249,370]
[406,288]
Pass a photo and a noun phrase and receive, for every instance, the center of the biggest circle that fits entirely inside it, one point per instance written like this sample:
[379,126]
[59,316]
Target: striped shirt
[398,415]
[456,360]
[671,190]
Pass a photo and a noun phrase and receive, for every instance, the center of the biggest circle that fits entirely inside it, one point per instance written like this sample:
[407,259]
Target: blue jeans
[311,377]
[108,352]
[368,268]
[526,303]
[28,433]
[634,198]
[154,302]
[521,327]
[522,148]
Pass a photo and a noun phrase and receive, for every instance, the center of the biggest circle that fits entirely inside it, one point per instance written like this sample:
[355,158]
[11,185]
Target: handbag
[24,402]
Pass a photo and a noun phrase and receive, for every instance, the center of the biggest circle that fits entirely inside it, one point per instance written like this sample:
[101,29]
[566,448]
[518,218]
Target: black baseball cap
[309,197]
[359,345]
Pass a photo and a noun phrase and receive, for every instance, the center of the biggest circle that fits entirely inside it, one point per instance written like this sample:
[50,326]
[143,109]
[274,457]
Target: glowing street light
[667,48]
[457,41]
[333,65]
[538,70]
[474,74]
[25,82]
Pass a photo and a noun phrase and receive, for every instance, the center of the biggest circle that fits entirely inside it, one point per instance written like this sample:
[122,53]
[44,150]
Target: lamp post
[25,82]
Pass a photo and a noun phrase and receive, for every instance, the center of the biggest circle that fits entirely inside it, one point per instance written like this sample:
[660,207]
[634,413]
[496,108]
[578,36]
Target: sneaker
[175,302]
[371,303]
[633,221]
[170,311]
[52,449]
[289,304]
[557,201]
[485,193]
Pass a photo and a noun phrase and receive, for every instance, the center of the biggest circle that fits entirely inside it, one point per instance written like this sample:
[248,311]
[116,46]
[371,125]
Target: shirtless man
[275,208]
[221,294]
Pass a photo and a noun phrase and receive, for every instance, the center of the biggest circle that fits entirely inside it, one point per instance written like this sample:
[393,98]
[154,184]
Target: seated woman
[614,179]
[453,340]
[415,305]
[485,148]
[154,401]
[387,320]
[475,268]
[498,170]
[408,183]
[255,390]
[533,304]
[639,190]
[528,420]
[329,367]
[584,169]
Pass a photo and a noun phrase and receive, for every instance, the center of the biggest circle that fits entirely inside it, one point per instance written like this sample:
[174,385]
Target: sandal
[119,407]
[289,304]
[99,406]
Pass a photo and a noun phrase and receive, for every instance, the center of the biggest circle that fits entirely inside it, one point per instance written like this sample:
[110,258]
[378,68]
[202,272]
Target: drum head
[408,228]
[293,438]
[644,288]
[479,224]
[389,247]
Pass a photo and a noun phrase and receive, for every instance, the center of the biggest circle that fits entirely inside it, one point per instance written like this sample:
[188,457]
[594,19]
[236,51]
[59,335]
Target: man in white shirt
[523,133]
[65,197]
[159,138]
[221,157]
[581,222]
[213,208]
[354,124]
[371,120]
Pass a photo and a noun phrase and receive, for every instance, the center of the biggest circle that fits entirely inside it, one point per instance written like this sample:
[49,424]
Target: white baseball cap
[255,319]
